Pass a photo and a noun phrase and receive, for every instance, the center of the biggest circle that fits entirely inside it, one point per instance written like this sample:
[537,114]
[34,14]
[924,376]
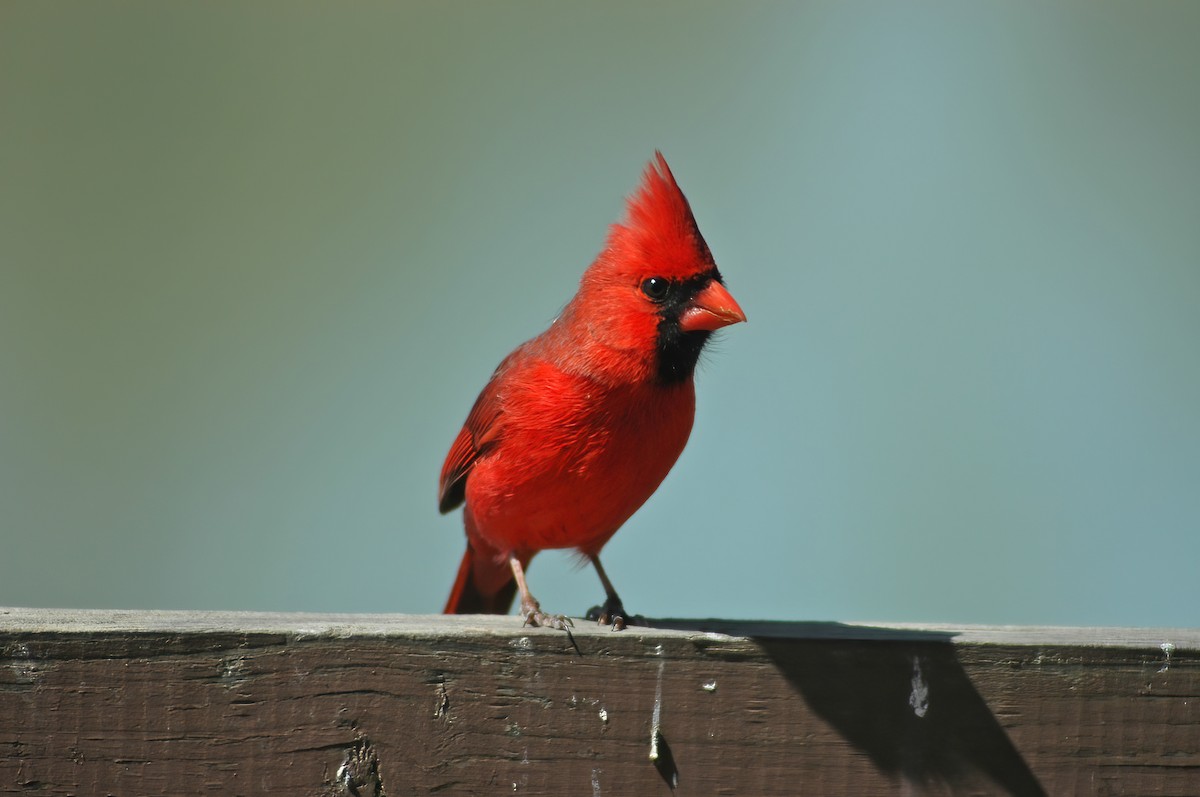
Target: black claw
[613,615]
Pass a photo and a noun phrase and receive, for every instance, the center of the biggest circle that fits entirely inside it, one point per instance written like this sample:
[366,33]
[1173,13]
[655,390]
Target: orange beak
[711,309]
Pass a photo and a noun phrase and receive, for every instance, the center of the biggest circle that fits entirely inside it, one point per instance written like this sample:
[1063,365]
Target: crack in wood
[441,709]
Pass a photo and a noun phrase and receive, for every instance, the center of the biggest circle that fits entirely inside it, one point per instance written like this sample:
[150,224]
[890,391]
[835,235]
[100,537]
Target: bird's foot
[533,615]
[613,614]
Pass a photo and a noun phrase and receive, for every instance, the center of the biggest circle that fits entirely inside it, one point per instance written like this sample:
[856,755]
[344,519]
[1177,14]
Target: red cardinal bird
[579,426]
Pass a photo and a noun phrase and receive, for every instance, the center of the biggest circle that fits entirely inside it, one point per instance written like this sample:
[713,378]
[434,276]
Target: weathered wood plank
[158,703]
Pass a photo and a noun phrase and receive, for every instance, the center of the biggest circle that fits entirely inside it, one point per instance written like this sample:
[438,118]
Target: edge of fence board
[306,624]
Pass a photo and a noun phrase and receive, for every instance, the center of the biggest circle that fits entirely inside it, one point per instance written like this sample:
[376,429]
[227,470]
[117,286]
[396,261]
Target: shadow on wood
[900,697]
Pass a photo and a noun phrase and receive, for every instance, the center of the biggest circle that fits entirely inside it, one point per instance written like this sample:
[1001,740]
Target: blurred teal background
[256,260]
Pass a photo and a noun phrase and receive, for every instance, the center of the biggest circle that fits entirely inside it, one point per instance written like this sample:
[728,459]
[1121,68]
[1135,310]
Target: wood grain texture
[154,703]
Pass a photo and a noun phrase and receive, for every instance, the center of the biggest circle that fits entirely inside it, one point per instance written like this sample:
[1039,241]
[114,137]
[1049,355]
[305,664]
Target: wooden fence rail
[167,703]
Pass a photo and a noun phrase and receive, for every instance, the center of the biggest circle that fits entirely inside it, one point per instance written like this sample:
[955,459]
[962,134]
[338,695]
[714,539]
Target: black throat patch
[678,351]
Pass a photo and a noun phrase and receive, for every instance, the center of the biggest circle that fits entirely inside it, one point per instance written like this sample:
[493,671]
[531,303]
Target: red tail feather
[474,572]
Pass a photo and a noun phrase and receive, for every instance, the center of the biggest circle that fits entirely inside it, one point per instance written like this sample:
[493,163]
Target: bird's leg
[531,611]
[612,613]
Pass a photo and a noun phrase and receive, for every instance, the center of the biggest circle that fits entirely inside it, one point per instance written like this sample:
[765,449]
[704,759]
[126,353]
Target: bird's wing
[480,432]
[474,438]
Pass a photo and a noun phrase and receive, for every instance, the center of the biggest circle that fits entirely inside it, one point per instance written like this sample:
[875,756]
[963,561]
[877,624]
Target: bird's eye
[656,288]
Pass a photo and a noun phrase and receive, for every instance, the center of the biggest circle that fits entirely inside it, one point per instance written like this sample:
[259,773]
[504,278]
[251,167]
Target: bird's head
[655,291]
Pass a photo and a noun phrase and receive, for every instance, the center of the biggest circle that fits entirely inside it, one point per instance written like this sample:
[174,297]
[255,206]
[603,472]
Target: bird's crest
[660,227]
